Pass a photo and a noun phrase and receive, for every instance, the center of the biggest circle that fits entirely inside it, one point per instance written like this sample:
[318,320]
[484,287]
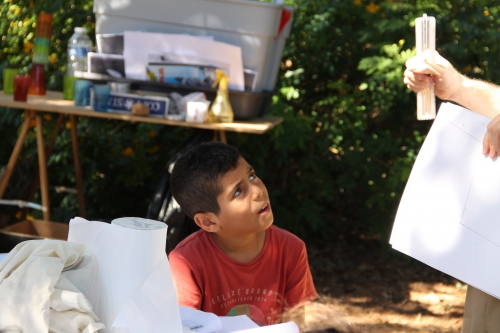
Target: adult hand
[421,74]
[491,140]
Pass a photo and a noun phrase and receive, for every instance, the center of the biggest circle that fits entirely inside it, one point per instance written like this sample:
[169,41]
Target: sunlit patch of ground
[363,289]
[431,307]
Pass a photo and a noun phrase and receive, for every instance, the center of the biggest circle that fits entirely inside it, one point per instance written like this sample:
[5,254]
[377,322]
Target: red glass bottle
[37,85]
[21,86]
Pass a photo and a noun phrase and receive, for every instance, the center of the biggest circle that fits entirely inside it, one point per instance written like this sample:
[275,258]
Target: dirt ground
[366,287]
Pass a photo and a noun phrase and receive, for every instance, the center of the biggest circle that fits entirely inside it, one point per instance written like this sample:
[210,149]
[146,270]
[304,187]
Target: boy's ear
[206,221]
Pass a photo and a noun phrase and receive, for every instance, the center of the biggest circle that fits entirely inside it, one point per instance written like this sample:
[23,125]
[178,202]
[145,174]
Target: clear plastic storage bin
[252,25]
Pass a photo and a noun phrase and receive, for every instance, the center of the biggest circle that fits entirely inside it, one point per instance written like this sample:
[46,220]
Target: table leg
[42,166]
[78,170]
[222,135]
[54,136]
[15,153]
[48,152]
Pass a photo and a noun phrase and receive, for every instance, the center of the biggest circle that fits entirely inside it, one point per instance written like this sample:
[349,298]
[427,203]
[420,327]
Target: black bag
[164,208]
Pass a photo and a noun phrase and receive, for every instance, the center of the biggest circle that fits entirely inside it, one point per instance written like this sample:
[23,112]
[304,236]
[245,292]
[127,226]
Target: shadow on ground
[365,286]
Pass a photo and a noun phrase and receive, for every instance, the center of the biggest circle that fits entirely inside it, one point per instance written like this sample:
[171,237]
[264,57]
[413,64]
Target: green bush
[350,136]
[342,156]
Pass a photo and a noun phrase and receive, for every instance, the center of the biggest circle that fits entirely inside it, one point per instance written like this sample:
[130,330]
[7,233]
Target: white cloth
[37,290]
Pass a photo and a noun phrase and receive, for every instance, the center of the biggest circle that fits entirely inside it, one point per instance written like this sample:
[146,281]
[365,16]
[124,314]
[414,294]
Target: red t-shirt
[207,279]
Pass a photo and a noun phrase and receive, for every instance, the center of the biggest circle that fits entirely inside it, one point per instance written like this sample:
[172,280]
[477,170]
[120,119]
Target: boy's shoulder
[284,237]
[200,243]
[194,243]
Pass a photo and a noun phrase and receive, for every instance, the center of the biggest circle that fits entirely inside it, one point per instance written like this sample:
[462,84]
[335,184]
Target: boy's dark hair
[196,176]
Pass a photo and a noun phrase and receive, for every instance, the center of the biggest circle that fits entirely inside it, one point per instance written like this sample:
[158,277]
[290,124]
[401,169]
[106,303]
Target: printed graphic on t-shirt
[250,302]
[244,295]
[251,311]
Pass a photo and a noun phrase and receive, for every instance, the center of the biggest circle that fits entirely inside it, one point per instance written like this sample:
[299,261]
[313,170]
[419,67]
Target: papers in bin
[138,46]
[184,69]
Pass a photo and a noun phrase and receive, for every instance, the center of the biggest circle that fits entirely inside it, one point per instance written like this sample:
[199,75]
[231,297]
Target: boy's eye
[237,192]
[253,175]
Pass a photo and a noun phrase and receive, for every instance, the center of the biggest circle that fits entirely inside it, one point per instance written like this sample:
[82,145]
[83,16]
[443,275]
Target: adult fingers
[419,65]
[439,60]
[495,139]
[412,76]
[486,143]
[487,146]
[417,81]
[491,140]
[417,87]
[493,152]
[434,69]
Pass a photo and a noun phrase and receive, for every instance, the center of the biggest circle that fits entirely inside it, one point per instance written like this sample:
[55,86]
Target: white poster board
[449,215]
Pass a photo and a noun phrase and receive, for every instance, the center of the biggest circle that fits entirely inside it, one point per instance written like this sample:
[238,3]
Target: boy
[238,263]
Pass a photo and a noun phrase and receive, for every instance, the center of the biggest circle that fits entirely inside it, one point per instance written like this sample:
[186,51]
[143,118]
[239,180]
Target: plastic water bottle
[78,46]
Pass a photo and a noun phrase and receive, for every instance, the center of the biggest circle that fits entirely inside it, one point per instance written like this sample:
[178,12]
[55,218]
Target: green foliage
[350,136]
[350,130]
[120,161]
[17,30]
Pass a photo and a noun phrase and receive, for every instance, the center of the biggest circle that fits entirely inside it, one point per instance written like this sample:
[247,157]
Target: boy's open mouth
[265,209]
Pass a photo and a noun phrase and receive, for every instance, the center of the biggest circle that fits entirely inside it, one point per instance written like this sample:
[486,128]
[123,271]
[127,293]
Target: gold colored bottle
[221,110]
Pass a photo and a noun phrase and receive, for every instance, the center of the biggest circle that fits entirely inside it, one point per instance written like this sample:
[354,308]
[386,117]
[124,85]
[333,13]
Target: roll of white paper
[131,287]
[425,37]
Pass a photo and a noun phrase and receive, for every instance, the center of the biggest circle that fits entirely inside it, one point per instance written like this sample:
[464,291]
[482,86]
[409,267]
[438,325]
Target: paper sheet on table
[236,323]
[131,285]
[139,45]
[277,328]
[449,215]
[199,321]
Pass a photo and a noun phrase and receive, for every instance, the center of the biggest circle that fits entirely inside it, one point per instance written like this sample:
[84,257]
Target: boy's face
[244,202]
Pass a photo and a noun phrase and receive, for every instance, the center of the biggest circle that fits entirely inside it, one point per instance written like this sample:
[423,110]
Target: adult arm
[476,95]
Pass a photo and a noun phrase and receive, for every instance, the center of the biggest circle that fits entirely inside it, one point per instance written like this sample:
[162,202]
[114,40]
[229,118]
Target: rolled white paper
[425,37]
[130,270]
[139,224]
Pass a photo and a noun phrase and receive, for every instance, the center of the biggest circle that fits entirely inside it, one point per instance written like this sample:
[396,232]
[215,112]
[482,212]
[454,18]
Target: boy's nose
[259,191]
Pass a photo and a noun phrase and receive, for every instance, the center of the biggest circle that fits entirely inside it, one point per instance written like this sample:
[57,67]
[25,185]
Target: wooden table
[53,102]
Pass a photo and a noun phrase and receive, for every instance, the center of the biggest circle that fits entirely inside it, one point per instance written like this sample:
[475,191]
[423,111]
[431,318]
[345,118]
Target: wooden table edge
[53,102]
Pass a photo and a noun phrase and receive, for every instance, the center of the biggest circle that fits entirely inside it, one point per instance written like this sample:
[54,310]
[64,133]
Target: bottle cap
[81,30]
